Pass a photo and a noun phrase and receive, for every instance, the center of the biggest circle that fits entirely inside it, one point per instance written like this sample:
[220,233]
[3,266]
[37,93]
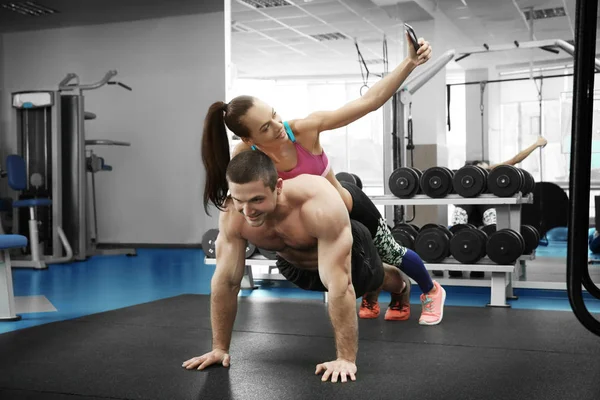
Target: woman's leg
[364,211]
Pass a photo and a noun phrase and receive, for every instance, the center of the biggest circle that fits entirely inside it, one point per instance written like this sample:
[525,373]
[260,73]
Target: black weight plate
[441,227]
[404,182]
[451,172]
[436,182]
[419,175]
[408,228]
[432,245]
[209,240]
[271,255]
[489,229]
[486,174]
[531,238]
[404,238]
[484,238]
[458,227]
[505,181]
[466,246]
[250,249]
[504,246]
[529,183]
[416,227]
[358,181]
[345,177]
[469,181]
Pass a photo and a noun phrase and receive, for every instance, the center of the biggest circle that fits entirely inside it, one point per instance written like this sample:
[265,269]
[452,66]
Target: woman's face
[264,125]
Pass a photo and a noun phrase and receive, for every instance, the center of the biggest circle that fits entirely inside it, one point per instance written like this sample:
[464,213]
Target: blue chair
[16,171]
[7,297]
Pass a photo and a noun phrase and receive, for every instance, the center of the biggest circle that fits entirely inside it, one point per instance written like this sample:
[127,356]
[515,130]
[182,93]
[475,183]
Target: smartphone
[413,36]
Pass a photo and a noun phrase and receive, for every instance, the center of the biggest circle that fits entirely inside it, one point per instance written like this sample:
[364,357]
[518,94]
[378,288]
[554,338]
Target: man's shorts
[367,268]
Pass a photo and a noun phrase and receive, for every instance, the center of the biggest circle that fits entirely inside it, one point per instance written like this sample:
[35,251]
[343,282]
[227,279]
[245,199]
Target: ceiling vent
[330,36]
[266,3]
[29,8]
[545,13]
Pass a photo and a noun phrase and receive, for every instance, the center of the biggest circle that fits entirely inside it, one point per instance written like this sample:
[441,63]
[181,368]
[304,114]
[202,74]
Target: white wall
[176,67]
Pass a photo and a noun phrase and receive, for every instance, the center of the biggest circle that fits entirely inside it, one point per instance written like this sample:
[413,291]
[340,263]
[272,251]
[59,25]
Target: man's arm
[226,281]
[326,218]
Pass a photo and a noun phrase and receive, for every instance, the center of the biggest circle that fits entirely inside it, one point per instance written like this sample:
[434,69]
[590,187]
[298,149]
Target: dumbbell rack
[508,215]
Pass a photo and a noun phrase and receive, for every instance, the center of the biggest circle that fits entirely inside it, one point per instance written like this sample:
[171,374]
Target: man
[307,223]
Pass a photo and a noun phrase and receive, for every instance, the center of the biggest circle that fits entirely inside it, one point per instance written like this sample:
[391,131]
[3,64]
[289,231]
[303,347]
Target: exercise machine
[75,180]
[51,140]
[35,173]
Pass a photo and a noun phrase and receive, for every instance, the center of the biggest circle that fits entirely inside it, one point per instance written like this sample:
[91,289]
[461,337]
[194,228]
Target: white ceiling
[276,41]
[280,41]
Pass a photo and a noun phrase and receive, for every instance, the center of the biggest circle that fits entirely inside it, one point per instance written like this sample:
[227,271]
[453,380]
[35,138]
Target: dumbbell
[349,177]
[404,182]
[405,235]
[250,249]
[209,240]
[505,246]
[433,243]
[506,181]
[268,254]
[436,182]
[528,184]
[468,245]
[470,181]
[532,238]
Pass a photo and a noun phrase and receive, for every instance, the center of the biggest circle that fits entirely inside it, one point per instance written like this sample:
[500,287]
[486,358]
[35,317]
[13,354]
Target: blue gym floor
[106,283]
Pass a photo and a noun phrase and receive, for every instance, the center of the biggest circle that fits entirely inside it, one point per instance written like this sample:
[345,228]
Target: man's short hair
[252,166]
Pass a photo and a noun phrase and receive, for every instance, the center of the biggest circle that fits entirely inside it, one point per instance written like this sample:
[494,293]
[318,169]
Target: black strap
[448,106]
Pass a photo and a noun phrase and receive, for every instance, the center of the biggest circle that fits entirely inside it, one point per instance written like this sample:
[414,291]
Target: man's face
[254,200]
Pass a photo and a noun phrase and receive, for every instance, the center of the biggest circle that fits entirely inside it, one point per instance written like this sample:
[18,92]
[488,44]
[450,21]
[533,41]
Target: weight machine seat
[12,241]
[32,203]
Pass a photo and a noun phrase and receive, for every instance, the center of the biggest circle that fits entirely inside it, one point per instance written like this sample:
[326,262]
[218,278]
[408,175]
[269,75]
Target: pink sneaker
[433,306]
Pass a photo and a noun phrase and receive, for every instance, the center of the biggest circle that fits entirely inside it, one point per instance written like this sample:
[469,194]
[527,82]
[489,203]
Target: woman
[295,149]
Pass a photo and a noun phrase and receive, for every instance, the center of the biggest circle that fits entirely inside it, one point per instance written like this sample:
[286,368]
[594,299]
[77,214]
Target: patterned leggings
[390,252]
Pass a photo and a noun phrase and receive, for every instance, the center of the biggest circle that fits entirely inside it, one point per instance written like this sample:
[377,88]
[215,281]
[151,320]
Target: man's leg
[364,211]
[398,285]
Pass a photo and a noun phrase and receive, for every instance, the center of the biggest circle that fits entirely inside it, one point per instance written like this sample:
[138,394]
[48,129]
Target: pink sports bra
[308,163]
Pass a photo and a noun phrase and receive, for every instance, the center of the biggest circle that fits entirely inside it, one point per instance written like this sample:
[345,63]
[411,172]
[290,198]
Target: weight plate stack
[459,227]
[433,243]
[468,246]
[531,236]
[505,246]
[404,182]
[528,184]
[346,177]
[209,240]
[436,182]
[469,181]
[452,172]
[489,229]
[250,249]
[505,181]
[405,235]
[358,181]
[270,255]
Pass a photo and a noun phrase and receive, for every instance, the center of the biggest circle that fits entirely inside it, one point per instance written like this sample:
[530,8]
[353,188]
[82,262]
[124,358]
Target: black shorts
[367,268]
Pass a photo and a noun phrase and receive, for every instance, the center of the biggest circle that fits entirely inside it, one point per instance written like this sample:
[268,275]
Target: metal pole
[581,142]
